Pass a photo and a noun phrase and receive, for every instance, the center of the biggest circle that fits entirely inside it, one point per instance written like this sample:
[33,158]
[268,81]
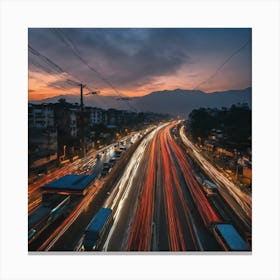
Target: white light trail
[243,199]
[124,185]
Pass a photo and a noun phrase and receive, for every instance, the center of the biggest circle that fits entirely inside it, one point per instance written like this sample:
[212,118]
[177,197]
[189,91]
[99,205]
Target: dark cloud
[127,56]
[124,56]
[131,57]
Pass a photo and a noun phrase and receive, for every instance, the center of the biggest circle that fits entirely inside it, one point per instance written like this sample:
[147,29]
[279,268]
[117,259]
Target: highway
[154,192]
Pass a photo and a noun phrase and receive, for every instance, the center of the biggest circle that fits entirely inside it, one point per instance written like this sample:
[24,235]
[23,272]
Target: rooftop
[72,182]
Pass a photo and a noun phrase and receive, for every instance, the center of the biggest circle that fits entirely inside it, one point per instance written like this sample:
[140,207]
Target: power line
[52,68]
[56,68]
[49,71]
[41,66]
[222,65]
[68,42]
[53,65]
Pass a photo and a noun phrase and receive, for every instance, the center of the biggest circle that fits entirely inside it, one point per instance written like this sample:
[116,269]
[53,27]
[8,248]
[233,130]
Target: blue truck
[97,229]
[228,237]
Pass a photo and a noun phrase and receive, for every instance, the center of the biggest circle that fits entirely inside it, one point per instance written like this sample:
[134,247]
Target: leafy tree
[235,122]
[201,122]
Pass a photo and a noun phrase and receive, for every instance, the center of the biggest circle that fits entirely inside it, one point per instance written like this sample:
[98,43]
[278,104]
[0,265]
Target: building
[68,122]
[114,118]
[62,129]
[42,134]
[73,123]
[129,118]
[40,116]
[96,116]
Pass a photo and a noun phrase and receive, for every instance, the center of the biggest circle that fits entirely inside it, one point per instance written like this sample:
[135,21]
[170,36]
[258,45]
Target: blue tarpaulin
[70,182]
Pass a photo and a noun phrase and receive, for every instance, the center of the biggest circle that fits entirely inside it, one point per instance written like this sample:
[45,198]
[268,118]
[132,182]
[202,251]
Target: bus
[97,229]
[228,238]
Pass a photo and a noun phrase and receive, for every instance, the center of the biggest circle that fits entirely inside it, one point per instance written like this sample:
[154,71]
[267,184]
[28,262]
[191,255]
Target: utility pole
[83,119]
[82,122]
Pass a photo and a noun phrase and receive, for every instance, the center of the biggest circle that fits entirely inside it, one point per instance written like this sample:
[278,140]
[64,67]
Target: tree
[201,122]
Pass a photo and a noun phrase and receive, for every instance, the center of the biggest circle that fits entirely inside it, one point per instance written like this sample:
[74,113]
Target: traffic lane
[145,232]
[161,238]
[232,204]
[141,233]
[119,237]
[208,214]
[238,200]
[176,241]
[181,236]
[227,214]
[119,198]
[204,238]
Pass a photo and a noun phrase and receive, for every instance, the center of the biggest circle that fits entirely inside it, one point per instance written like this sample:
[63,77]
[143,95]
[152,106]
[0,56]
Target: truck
[229,238]
[97,229]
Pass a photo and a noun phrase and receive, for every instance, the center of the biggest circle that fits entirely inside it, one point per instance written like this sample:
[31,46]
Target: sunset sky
[137,61]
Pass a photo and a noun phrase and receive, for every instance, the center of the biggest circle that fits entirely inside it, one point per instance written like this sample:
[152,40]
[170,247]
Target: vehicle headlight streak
[124,185]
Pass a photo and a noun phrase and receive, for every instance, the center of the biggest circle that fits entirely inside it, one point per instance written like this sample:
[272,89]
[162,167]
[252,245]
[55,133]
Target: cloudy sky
[137,61]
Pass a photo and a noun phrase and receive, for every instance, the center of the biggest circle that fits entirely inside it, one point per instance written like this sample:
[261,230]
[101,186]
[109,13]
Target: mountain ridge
[178,102]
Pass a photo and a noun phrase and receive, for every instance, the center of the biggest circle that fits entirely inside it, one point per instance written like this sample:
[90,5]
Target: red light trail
[180,227]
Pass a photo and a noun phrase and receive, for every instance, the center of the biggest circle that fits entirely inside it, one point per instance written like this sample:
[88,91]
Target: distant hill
[177,102]
[89,100]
